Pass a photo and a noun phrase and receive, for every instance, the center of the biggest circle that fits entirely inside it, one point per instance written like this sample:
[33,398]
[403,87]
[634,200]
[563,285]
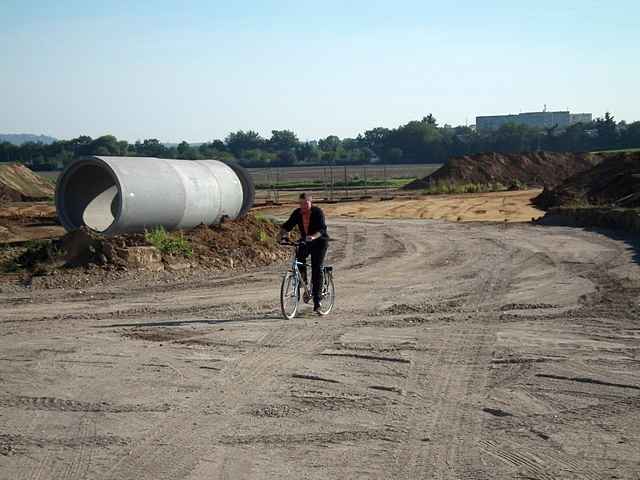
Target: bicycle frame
[296,270]
[292,278]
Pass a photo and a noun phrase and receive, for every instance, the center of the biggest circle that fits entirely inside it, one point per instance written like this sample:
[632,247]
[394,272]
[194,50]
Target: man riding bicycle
[313,230]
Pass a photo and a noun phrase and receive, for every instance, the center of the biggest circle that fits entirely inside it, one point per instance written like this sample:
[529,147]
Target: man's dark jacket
[316,222]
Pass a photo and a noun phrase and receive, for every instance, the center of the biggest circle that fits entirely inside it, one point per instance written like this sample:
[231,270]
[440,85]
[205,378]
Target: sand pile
[530,169]
[23,221]
[19,184]
[615,182]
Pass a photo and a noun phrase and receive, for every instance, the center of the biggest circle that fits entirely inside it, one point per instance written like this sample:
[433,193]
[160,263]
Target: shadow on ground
[204,321]
[632,241]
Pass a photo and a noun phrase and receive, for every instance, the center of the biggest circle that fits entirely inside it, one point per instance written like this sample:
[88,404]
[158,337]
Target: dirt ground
[481,207]
[23,221]
[456,351]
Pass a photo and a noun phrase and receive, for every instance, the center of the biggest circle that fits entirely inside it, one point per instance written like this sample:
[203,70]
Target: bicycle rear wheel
[289,296]
[328,294]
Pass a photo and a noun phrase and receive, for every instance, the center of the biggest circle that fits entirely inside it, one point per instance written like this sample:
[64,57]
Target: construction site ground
[455,351]
[501,206]
[24,221]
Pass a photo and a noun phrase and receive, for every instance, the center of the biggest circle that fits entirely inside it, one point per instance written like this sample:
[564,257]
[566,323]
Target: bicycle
[293,282]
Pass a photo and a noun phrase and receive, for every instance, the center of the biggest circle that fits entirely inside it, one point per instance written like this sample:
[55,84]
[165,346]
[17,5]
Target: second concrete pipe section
[113,195]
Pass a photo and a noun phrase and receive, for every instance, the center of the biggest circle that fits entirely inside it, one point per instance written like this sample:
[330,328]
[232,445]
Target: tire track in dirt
[376,240]
[400,251]
[77,468]
[449,416]
[466,380]
[52,404]
[47,462]
[146,461]
[346,249]
[68,457]
[413,447]
[545,461]
[386,248]
[530,463]
[252,371]
[442,391]
[31,428]
[408,453]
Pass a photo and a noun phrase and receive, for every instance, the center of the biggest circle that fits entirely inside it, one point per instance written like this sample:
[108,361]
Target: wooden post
[384,174]
[331,173]
[324,182]
[366,192]
[346,192]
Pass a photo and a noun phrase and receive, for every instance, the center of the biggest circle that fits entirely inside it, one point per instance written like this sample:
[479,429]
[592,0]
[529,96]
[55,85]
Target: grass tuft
[444,188]
[167,243]
[262,236]
[354,182]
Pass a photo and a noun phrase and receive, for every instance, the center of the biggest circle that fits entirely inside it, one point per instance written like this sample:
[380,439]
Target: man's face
[305,203]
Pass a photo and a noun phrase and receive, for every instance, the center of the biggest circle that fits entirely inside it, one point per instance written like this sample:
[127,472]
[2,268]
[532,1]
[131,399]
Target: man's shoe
[316,308]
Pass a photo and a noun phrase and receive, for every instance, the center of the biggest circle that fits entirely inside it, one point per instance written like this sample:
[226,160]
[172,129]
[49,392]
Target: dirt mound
[248,241]
[8,195]
[24,221]
[239,244]
[615,181]
[18,183]
[531,169]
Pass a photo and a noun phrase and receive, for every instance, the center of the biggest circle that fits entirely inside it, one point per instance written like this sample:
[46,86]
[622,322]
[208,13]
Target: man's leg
[318,252]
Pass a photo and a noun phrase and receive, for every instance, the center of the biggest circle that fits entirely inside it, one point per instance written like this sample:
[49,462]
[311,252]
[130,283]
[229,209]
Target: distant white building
[580,118]
[532,119]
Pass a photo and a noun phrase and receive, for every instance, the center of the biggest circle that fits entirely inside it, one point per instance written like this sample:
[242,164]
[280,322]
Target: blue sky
[196,70]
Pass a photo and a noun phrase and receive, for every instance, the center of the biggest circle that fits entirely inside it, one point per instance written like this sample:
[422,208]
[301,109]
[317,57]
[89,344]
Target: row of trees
[419,141]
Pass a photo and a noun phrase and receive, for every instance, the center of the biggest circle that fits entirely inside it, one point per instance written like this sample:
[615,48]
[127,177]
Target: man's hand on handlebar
[296,243]
[284,238]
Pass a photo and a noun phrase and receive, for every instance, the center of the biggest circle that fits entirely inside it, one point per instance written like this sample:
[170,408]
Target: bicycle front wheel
[328,294]
[289,296]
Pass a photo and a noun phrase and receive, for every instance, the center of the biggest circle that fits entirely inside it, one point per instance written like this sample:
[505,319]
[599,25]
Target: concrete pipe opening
[89,195]
[114,195]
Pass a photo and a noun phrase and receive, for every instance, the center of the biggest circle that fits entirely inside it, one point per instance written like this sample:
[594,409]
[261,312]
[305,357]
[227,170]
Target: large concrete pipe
[114,195]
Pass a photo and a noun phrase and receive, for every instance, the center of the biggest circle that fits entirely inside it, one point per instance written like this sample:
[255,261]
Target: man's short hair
[305,195]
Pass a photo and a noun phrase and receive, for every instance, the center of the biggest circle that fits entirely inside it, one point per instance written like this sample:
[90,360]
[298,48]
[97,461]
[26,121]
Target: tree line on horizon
[418,141]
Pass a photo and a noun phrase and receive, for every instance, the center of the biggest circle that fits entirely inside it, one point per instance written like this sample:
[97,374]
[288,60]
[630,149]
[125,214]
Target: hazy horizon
[199,71]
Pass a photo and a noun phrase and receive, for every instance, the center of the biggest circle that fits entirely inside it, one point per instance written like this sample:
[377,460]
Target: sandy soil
[28,221]
[36,220]
[482,207]
[457,350]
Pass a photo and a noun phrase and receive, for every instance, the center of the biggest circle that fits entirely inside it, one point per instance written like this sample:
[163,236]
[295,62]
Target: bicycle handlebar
[296,243]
